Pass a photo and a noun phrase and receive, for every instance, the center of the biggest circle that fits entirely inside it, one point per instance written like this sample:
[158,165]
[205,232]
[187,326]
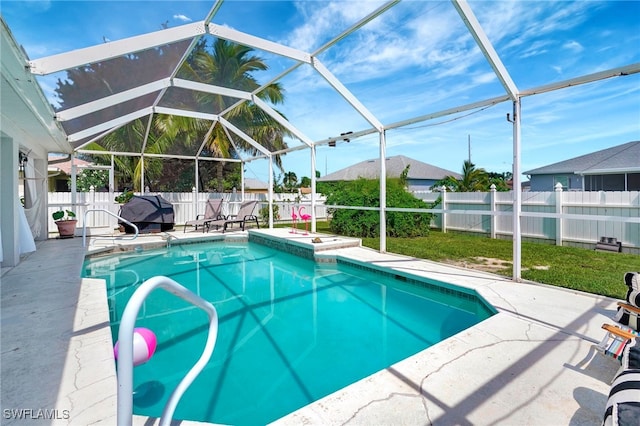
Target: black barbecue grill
[150,213]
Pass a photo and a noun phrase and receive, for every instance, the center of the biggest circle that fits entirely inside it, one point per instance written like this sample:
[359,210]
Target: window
[563,180]
[604,182]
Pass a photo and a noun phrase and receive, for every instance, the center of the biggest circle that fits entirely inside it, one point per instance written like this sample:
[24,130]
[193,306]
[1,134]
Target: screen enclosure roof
[373,67]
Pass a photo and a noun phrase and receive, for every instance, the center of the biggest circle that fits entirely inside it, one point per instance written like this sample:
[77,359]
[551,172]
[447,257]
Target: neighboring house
[255,186]
[420,178]
[611,169]
[59,171]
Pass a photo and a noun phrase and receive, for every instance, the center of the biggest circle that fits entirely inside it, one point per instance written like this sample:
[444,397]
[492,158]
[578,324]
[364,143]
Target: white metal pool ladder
[125,350]
[84,227]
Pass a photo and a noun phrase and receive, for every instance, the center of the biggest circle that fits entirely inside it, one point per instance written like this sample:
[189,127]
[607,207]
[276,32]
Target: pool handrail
[84,227]
[125,347]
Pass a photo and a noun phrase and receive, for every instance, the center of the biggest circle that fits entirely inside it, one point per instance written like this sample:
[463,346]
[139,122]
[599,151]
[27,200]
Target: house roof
[250,183]
[370,169]
[65,166]
[25,113]
[621,158]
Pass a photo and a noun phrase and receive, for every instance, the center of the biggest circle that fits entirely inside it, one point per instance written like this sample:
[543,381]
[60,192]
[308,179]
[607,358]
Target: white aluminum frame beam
[346,94]
[472,24]
[139,154]
[589,78]
[114,49]
[450,111]
[210,88]
[280,119]
[353,28]
[244,136]
[111,100]
[232,142]
[107,125]
[259,43]
[145,89]
[185,113]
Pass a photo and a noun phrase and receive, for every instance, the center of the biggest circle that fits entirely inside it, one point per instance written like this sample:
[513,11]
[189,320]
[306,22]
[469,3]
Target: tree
[290,181]
[366,223]
[87,178]
[225,64]
[501,180]
[473,180]
[231,65]
[305,182]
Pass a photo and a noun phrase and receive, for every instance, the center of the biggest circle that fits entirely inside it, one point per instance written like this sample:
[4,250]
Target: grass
[573,268]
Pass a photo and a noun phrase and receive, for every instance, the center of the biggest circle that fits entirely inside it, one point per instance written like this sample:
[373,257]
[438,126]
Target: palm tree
[290,180]
[226,64]
[472,180]
[230,65]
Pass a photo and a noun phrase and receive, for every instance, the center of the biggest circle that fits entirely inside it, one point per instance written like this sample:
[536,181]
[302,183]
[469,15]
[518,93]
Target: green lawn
[574,268]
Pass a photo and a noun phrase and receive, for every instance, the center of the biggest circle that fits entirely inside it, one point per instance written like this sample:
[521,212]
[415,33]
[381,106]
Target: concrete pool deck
[532,363]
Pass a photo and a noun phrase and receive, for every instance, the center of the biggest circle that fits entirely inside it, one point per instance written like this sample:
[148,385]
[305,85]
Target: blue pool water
[291,331]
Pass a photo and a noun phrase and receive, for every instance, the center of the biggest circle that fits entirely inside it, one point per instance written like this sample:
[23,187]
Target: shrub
[365,223]
[264,213]
[124,197]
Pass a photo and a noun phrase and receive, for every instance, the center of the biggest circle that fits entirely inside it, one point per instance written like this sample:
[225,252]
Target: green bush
[264,213]
[124,197]
[365,223]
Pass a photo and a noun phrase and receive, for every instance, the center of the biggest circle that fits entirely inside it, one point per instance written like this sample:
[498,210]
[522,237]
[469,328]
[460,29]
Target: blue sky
[418,58]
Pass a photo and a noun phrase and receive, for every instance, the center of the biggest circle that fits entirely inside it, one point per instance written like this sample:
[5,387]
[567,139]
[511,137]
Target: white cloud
[483,78]
[574,46]
[181,17]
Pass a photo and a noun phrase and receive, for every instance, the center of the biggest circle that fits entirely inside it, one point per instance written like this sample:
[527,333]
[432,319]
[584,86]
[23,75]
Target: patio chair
[614,342]
[245,213]
[623,404]
[213,211]
[627,319]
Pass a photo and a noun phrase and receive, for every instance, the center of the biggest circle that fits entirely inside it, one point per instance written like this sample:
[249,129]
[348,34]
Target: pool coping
[495,372]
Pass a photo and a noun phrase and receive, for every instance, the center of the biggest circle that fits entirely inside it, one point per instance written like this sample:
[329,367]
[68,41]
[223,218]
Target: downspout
[141,173]
[74,188]
[270,192]
[517,193]
[313,188]
[383,192]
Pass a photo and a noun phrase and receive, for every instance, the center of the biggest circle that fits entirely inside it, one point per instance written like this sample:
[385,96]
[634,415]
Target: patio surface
[533,363]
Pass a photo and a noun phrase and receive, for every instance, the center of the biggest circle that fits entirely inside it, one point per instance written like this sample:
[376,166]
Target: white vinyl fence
[561,218]
[186,206]
[574,218]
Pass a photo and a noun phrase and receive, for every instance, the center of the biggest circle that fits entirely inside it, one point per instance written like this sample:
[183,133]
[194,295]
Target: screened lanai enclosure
[269,84]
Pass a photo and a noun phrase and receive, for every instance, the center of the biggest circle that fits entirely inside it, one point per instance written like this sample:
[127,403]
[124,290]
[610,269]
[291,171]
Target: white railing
[125,349]
[103,237]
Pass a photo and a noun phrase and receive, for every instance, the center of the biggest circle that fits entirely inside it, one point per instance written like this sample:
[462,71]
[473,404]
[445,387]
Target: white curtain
[34,200]
[25,237]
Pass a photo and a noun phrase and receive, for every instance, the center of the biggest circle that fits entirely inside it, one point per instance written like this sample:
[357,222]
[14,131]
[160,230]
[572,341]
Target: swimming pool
[291,330]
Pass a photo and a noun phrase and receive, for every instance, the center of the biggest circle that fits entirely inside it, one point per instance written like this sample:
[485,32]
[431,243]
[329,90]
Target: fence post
[494,218]
[443,190]
[558,211]
[92,201]
[194,202]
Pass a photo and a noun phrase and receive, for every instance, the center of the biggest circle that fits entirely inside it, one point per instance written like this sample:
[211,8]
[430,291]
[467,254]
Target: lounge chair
[245,213]
[212,212]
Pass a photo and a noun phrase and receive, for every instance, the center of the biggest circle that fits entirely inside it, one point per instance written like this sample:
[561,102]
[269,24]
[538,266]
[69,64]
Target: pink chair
[306,218]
